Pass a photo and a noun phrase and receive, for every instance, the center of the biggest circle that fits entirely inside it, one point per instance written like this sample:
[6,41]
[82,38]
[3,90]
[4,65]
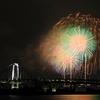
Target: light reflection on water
[75,97]
[50,97]
[72,97]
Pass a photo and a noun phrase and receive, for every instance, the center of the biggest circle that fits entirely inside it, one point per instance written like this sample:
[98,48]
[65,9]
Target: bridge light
[81,84]
[70,80]
[62,80]
[53,89]
[88,84]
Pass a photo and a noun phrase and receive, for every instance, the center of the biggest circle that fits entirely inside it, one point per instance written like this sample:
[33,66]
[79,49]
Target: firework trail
[72,44]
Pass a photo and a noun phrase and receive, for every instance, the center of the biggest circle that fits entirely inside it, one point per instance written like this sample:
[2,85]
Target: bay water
[51,97]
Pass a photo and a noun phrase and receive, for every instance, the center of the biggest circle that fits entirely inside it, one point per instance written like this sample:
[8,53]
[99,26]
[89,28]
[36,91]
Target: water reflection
[50,97]
[77,97]
[14,97]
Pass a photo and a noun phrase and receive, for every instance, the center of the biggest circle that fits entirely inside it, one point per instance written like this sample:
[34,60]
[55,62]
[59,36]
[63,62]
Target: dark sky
[24,23]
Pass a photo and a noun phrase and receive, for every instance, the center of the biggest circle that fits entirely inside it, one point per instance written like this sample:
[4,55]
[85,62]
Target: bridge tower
[16,73]
[15,76]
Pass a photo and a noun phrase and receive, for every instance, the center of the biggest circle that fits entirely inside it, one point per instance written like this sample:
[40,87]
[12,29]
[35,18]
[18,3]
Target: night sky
[25,23]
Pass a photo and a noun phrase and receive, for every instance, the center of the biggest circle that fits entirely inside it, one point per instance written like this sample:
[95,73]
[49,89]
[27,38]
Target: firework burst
[80,41]
[73,43]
